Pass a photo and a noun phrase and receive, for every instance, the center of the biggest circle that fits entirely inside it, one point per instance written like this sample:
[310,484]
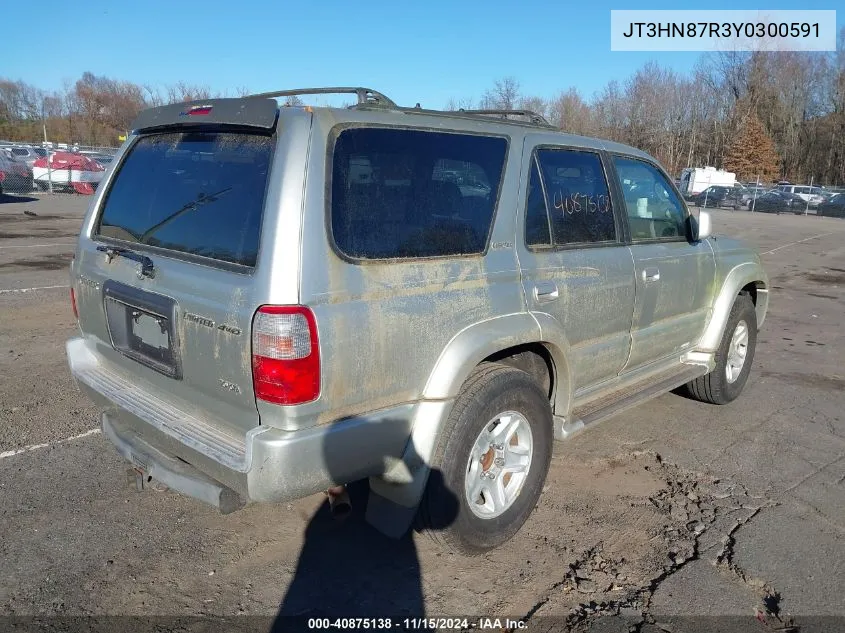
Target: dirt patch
[821,296]
[38,232]
[21,217]
[827,383]
[826,278]
[56,261]
[659,518]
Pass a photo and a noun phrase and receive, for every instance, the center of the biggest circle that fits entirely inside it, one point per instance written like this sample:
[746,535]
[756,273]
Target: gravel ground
[665,516]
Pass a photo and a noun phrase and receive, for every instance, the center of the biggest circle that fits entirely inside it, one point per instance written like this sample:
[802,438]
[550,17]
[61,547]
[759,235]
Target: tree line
[93,110]
[776,115]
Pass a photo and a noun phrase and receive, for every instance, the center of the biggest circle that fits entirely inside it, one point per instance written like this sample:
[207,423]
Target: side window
[653,209]
[536,215]
[400,193]
[576,197]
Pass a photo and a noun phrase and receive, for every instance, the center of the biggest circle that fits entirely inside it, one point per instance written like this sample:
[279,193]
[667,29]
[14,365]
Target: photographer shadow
[348,569]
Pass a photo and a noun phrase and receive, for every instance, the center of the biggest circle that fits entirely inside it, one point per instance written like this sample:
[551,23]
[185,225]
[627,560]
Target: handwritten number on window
[578,202]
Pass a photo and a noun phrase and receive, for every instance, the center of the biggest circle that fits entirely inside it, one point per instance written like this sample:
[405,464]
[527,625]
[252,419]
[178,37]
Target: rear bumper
[195,457]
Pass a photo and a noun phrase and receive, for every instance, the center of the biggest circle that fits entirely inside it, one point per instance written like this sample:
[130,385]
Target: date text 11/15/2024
[415,624]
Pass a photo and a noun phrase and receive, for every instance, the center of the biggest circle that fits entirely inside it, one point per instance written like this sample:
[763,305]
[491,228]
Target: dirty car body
[273,300]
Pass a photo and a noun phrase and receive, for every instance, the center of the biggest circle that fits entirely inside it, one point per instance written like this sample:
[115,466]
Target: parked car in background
[744,193]
[755,191]
[15,176]
[719,196]
[26,154]
[833,207]
[103,159]
[777,201]
[807,193]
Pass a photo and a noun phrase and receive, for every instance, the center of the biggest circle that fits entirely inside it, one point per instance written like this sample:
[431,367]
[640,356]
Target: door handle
[651,274]
[545,292]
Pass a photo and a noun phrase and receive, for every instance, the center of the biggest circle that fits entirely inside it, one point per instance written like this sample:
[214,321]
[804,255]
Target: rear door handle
[651,274]
[544,292]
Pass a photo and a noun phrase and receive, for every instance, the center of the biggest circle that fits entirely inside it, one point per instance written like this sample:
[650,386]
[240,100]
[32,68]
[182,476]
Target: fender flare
[739,277]
[472,345]
[404,481]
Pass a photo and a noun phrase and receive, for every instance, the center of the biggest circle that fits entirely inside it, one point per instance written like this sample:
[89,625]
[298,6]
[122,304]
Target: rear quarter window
[398,194]
[198,193]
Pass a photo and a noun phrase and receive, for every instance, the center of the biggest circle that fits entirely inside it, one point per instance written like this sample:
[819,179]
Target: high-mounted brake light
[200,110]
[285,355]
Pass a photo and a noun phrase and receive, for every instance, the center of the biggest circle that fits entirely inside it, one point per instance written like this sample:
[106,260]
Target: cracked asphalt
[671,510]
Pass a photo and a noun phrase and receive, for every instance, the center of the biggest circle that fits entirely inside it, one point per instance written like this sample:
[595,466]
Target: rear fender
[461,356]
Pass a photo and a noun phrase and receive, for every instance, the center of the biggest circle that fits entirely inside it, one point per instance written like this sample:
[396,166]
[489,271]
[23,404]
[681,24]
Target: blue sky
[427,50]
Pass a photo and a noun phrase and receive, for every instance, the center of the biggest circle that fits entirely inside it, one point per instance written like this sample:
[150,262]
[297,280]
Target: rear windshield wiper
[190,206]
[147,269]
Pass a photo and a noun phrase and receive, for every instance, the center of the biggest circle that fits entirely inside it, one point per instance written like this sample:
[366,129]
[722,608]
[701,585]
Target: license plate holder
[140,325]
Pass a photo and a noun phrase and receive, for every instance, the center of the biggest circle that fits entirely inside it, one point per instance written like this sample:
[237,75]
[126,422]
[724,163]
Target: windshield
[197,193]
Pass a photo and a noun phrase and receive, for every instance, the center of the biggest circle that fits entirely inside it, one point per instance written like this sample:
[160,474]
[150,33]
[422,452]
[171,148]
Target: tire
[715,387]
[445,510]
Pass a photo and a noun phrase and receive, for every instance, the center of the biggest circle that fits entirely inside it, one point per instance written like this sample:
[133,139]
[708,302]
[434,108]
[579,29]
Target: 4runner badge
[230,386]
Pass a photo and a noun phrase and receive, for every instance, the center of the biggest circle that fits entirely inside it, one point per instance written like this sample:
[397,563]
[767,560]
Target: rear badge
[230,386]
[201,320]
[90,283]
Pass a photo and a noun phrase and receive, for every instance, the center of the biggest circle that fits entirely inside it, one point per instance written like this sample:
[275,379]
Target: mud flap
[392,508]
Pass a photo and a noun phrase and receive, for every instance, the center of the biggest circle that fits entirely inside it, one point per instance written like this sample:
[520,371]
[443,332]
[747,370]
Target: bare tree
[503,96]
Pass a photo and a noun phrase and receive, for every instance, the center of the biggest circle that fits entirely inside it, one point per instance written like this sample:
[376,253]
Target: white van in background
[694,180]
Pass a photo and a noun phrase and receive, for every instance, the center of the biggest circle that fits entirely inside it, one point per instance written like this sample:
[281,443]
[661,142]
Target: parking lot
[673,509]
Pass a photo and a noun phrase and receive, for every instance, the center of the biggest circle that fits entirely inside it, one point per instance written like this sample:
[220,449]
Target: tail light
[73,303]
[285,355]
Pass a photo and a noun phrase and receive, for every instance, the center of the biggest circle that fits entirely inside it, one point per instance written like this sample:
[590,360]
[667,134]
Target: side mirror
[703,227]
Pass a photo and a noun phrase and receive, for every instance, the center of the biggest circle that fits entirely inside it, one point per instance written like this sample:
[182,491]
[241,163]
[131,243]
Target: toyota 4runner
[276,299]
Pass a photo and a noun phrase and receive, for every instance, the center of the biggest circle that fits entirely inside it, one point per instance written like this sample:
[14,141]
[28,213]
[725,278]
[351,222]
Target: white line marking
[814,237]
[12,290]
[37,245]
[35,447]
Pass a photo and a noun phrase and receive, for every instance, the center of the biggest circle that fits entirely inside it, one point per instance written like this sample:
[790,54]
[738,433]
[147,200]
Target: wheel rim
[498,464]
[737,352]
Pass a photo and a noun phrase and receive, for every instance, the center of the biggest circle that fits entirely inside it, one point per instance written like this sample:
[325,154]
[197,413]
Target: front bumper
[197,457]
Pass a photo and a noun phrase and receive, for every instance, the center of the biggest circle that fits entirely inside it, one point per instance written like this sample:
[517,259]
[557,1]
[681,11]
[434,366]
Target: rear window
[411,193]
[200,193]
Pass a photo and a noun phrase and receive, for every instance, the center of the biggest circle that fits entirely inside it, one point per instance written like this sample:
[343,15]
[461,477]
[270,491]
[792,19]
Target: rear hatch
[164,277]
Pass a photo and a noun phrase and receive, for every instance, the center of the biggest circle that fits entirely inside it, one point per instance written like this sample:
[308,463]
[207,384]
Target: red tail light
[285,355]
[73,303]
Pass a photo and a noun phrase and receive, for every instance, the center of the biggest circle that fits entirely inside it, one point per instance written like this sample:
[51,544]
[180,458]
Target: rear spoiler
[255,113]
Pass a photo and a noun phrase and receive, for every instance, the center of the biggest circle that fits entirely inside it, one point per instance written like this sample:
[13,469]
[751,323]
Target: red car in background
[15,176]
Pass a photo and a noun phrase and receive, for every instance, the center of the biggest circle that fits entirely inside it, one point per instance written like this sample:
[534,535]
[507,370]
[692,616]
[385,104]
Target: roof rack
[369,97]
[531,116]
[366,96]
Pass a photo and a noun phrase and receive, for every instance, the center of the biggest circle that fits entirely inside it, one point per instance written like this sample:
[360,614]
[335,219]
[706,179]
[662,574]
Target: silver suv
[275,300]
